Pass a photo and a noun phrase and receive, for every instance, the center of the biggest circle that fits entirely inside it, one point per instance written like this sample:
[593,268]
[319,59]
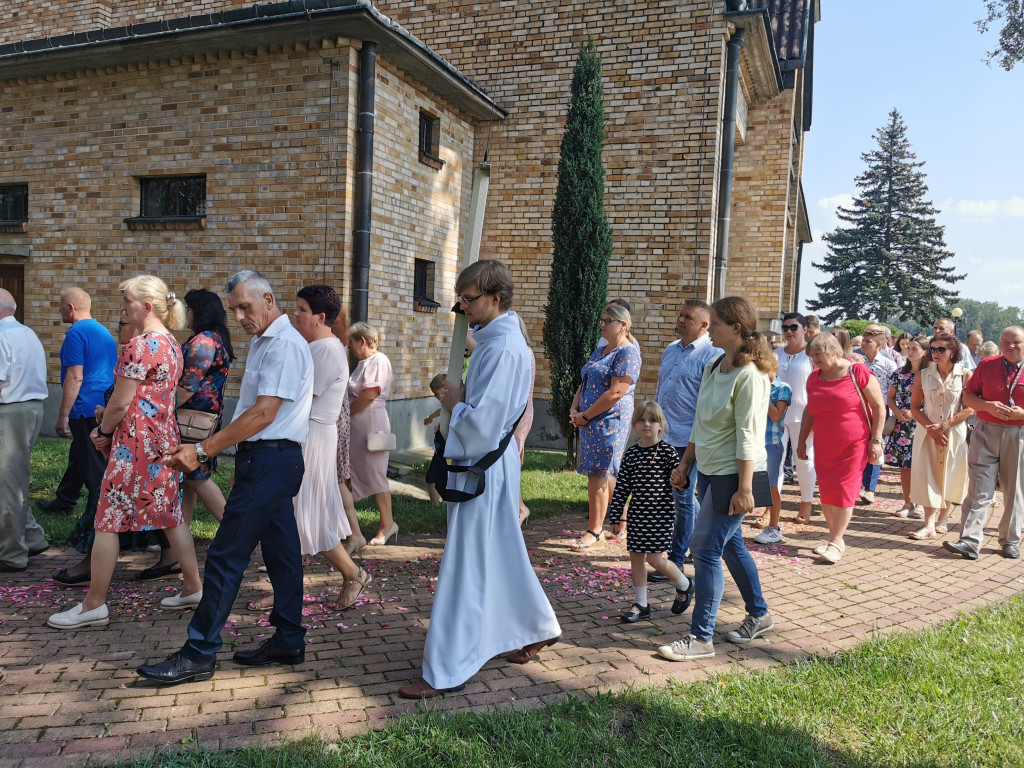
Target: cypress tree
[582,242]
[890,258]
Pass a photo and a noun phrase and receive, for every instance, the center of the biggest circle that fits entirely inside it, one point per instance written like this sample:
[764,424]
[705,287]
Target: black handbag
[437,472]
[724,486]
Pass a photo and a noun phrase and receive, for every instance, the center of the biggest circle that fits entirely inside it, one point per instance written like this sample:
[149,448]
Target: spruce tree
[582,242]
[890,258]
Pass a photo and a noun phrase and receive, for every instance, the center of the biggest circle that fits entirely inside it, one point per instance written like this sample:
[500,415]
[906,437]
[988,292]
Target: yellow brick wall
[277,143]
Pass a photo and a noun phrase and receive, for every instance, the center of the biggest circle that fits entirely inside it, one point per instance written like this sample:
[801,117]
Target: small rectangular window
[430,140]
[13,203]
[423,286]
[170,197]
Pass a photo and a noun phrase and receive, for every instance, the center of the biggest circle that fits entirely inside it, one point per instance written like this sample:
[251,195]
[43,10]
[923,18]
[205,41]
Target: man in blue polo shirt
[682,367]
[88,357]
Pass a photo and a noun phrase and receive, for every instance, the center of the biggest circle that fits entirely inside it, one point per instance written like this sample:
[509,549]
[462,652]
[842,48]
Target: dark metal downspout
[364,182]
[732,85]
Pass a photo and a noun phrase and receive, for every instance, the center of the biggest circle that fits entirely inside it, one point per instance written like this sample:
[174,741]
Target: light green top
[732,412]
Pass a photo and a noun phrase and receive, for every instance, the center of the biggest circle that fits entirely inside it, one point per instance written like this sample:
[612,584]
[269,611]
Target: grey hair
[255,283]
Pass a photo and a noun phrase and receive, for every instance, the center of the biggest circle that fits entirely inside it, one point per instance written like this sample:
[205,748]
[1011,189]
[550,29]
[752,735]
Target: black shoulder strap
[717,362]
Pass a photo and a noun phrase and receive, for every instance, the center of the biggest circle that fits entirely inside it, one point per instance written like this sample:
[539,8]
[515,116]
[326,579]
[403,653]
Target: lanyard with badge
[1013,374]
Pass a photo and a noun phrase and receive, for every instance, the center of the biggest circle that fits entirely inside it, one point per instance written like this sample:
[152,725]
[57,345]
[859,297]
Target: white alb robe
[488,599]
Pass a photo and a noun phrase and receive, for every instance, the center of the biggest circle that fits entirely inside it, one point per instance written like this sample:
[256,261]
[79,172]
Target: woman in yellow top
[727,443]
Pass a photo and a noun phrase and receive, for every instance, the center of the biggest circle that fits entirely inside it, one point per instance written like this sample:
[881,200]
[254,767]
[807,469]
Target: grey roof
[791,21]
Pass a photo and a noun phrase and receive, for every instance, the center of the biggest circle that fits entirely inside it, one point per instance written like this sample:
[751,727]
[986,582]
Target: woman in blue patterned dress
[208,355]
[602,412]
[900,443]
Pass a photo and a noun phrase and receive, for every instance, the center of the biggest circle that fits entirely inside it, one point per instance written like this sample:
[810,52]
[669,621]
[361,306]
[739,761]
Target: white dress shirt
[22,363]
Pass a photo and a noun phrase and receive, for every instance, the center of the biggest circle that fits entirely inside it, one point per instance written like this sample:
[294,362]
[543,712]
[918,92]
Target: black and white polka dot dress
[644,480]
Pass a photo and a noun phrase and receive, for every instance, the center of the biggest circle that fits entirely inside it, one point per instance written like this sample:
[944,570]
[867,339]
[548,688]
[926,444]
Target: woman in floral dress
[139,493]
[207,360]
[900,444]
[602,411]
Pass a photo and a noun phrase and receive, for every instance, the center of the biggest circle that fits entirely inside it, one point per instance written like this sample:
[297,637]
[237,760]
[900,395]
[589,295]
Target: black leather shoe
[34,552]
[636,613]
[1011,552]
[960,548]
[683,599]
[54,507]
[177,669]
[656,576]
[5,568]
[269,652]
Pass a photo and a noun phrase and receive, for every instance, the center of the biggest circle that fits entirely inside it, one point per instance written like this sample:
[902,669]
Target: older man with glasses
[996,393]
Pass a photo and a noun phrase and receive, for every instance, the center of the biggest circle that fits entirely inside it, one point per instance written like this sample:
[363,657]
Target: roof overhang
[260,26]
[803,221]
[758,50]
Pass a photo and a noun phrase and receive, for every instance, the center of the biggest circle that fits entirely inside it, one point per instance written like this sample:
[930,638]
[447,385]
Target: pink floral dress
[138,492]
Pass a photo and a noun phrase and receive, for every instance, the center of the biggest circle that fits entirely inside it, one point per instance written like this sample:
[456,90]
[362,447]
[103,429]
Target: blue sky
[964,120]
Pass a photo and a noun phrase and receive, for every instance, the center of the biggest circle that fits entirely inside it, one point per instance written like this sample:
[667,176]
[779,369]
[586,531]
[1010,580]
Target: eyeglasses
[467,300]
[939,350]
[607,320]
[791,328]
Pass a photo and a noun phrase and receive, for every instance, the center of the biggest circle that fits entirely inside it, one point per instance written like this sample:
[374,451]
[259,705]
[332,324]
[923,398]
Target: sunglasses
[939,350]
[791,328]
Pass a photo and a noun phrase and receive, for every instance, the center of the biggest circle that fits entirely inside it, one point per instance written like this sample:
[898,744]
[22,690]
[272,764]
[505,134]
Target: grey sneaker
[686,648]
[769,536]
[867,496]
[750,628]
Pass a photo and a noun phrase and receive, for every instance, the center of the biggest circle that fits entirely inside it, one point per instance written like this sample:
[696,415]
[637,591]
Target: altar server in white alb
[488,599]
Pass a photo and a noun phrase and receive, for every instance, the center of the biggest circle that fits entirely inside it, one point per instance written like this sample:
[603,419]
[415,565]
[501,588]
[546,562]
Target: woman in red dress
[139,427]
[845,438]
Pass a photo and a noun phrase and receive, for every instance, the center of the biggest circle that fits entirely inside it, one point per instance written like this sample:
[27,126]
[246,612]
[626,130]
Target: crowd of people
[731,415]
[732,412]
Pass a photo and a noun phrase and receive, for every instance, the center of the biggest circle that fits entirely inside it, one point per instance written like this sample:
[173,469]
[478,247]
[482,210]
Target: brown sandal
[351,589]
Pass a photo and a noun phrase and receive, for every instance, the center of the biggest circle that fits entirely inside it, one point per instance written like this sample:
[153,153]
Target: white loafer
[177,601]
[76,617]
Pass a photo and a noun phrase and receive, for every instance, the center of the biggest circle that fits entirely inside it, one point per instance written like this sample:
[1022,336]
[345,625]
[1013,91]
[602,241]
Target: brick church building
[335,141]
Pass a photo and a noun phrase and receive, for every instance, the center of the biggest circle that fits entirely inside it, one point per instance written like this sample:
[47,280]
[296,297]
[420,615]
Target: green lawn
[548,491]
[950,696]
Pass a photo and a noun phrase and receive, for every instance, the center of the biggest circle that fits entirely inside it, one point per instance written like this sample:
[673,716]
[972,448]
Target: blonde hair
[827,343]
[654,409]
[621,314]
[152,290]
[843,337]
[366,332]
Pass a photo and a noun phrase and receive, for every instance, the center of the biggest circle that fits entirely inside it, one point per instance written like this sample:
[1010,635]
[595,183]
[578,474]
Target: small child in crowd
[435,387]
[644,481]
[778,401]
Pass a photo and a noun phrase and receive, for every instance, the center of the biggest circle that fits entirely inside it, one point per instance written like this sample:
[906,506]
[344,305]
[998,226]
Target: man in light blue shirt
[682,367]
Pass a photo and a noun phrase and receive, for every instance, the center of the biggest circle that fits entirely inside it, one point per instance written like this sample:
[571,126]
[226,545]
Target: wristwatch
[876,440]
[945,426]
[201,454]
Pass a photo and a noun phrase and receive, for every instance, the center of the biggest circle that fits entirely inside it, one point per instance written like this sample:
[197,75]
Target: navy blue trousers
[259,510]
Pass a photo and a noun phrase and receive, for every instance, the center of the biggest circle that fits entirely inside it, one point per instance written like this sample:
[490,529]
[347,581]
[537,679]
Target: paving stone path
[73,697]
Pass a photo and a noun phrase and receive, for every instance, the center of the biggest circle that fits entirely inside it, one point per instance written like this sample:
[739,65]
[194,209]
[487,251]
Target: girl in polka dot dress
[644,481]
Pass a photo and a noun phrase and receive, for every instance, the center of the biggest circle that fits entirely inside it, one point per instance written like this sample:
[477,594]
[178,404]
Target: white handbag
[381,441]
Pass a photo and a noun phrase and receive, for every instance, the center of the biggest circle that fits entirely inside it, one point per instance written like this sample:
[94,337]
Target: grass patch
[949,696]
[548,489]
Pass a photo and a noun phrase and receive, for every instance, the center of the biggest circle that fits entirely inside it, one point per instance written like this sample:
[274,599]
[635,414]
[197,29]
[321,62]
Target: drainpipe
[732,85]
[364,182]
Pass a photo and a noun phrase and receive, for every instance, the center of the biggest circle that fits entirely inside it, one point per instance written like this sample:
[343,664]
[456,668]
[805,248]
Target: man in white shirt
[872,346]
[22,391]
[269,427]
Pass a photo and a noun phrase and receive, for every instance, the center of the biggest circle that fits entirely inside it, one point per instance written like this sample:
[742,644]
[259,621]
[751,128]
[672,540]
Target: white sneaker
[77,617]
[177,601]
[751,627]
[686,648]
[867,496]
[769,536]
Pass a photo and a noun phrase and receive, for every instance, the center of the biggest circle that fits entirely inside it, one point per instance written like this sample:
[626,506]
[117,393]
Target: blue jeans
[686,509]
[258,511]
[870,478]
[718,537]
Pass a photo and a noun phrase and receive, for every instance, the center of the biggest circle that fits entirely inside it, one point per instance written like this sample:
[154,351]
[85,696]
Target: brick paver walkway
[73,697]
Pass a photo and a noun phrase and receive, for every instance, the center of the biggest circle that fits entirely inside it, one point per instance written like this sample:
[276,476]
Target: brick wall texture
[663,74]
